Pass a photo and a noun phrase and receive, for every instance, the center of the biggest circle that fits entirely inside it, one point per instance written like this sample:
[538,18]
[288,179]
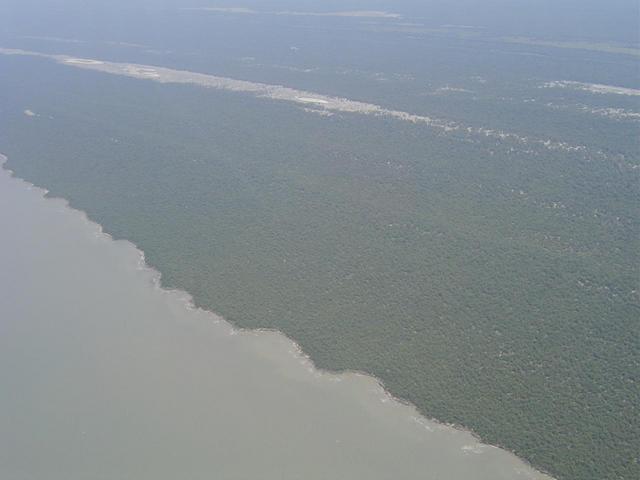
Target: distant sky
[595,20]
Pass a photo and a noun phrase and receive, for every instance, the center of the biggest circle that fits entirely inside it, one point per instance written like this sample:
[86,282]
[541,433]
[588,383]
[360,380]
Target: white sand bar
[301,97]
[83,61]
[313,100]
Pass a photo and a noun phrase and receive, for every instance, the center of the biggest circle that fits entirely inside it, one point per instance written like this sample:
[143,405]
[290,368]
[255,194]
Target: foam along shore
[301,97]
[103,371]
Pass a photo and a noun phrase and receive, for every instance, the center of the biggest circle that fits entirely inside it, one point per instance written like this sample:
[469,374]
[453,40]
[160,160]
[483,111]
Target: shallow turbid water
[104,375]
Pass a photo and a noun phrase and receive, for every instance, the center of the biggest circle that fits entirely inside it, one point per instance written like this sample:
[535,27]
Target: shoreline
[155,278]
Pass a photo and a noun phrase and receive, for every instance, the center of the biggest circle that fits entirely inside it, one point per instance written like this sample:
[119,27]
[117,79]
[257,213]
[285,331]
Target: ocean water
[106,375]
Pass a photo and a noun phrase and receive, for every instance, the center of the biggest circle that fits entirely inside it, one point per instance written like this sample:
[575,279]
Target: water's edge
[156,279]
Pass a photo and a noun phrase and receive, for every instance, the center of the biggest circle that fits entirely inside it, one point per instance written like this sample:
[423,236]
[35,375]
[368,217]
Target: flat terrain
[493,285]
[445,197]
[180,393]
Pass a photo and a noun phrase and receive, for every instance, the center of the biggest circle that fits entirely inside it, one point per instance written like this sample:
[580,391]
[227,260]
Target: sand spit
[353,14]
[349,13]
[83,61]
[312,100]
[301,97]
[241,10]
[274,92]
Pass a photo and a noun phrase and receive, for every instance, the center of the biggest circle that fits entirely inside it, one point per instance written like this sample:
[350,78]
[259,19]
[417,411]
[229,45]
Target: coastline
[155,278]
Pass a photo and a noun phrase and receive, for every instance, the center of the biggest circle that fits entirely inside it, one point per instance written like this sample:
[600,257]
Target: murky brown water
[104,375]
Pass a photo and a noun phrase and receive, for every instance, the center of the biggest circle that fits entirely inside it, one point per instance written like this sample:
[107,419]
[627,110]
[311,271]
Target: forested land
[493,285]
